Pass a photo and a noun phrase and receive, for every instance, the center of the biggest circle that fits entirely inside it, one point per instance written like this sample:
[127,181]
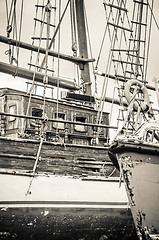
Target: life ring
[145,106]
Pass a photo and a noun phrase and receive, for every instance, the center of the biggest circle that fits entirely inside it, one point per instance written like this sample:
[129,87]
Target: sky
[96,21]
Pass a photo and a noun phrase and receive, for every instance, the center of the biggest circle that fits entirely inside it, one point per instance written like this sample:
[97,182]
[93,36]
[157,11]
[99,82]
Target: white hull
[54,190]
[63,208]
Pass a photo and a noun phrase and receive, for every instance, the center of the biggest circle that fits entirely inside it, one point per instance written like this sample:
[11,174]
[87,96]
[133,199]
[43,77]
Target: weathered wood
[55,158]
[82,39]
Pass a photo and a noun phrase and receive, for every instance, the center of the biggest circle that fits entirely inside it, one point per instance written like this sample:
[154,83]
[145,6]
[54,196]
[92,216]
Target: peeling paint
[46,213]
[126,164]
[4,209]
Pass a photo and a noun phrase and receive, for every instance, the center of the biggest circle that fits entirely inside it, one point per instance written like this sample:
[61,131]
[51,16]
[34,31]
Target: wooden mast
[34,48]
[82,40]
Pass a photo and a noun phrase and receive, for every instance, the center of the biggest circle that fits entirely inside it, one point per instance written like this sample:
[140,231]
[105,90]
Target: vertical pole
[82,40]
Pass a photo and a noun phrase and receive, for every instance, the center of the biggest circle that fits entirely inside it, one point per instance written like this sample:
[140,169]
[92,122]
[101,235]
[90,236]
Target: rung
[38,20]
[144,24]
[33,65]
[115,25]
[119,119]
[116,60]
[132,55]
[136,40]
[124,77]
[42,6]
[40,85]
[131,72]
[38,38]
[140,2]
[117,7]
[123,50]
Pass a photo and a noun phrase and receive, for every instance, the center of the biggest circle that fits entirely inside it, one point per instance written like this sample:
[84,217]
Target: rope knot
[9,29]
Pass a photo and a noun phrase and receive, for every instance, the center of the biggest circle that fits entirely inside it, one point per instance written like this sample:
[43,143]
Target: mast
[82,40]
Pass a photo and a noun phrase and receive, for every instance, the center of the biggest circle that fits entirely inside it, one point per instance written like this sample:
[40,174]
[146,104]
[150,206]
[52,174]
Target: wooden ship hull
[54,164]
[62,206]
[138,162]
[63,173]
[65,195]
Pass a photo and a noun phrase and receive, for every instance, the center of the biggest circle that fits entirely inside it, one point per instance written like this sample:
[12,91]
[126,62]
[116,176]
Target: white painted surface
[56,188]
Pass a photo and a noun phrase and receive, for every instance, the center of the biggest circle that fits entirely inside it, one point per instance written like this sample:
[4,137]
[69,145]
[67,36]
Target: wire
[37,59]
[149,38]
[45,80]
[151,9]
[58,67]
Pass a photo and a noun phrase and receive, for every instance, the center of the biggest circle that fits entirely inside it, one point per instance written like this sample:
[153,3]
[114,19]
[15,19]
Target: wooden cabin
[16,102]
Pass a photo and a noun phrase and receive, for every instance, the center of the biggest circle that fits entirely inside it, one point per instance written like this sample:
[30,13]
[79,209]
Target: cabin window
[59,125]
[37,112]
[12,110]
[80,128]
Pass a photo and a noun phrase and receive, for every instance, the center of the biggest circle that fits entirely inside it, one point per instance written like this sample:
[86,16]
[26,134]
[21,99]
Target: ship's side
[57,173]
[138,162]
[64,195]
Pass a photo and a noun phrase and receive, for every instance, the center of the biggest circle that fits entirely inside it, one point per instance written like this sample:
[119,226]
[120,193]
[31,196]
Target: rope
[104,85]
[35,166]
[20,27]
[119,54]
[74,36]
[144,52]
[100,50]
[53,45]
[108,66]
[148,44]
[151,9]
[58,67]
[45,81]
[20,30]
[73,28]
[9,26]
[35,23]
[131,36]
[57,28]
[32,86]
[44,94]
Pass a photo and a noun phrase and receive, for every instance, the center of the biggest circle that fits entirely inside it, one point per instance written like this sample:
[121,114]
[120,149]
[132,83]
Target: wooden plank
[54,159]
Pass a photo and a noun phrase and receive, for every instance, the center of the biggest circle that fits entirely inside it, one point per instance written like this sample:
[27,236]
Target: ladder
[44,22]
[128,58]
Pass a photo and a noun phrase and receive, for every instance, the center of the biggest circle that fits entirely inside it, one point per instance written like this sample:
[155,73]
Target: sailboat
[56,162]
[135,149]
[56,178]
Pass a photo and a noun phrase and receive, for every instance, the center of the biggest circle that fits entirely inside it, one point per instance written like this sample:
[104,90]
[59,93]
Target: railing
[58,120]
[89,138]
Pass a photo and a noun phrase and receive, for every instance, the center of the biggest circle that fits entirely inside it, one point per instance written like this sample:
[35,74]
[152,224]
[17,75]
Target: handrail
[58,120]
